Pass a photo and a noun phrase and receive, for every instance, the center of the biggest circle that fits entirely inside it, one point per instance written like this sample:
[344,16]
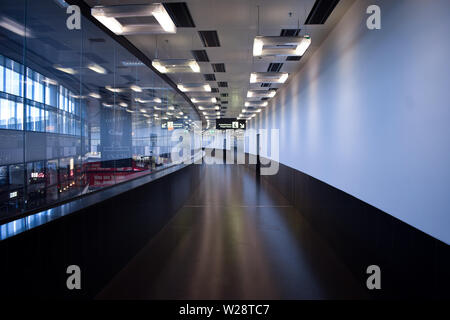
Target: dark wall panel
[100,239]
[413,264]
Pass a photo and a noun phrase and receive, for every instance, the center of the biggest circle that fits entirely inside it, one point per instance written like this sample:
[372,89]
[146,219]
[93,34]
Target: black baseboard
[413,264]
[100,239]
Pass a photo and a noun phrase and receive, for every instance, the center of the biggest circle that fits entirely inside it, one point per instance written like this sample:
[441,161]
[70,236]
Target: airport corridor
[235,238]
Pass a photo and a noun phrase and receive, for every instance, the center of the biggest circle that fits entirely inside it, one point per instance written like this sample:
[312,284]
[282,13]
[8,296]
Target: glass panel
[93,114]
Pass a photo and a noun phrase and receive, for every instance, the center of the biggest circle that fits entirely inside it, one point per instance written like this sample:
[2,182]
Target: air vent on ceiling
[224,94]
[289,32]
[214,89]
[209,77]
[180,15]
[137,20]
[321,11]
[222,84]
[200,55]
[293,58]
[96,40]
[266,84]
[209,38]
[274,67]
[218,67]
[224,102]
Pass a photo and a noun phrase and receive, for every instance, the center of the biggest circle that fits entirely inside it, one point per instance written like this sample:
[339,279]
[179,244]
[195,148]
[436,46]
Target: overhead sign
[115,137]
[230,123]
[170,125]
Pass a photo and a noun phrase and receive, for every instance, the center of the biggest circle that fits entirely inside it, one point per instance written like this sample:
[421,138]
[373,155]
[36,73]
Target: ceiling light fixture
[50,81]
[257,47]
[256,104]
[176,65]
[280,46]
[261,93]
[303,46]
[204,100]
[268,77]
[107,15]
[94,95]
[66,70]
[136,88]
[194,87]
[113,89]
[96,68]
[15,27]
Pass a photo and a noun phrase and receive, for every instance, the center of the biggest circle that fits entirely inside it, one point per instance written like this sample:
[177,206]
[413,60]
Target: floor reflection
[236,238]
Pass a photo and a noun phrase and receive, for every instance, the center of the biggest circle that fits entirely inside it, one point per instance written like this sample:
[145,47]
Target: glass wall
[78,112]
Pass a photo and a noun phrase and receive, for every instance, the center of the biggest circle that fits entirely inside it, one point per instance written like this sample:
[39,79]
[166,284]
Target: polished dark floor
[236,238]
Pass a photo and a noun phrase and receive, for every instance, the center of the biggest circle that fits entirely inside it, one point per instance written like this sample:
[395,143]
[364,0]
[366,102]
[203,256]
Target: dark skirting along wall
[100,239]
[413,264]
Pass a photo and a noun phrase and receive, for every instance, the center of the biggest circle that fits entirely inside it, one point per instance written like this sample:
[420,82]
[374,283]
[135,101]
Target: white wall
[369,113]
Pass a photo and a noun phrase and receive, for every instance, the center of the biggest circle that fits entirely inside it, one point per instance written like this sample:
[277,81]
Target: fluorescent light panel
[194,87]
[107,16]
[176,65]
[268,77]
[97,68]
[261,93]
[204,100]
[280,46]
[66,69]
[256,104]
